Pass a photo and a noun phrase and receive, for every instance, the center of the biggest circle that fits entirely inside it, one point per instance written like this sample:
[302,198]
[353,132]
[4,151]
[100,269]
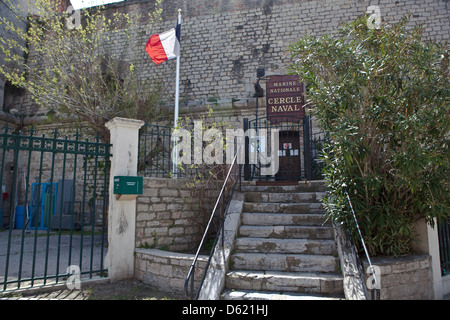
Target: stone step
[299,282]
[274,207]
[302,186]
[287,232]
[280,219]
[260,295]
[284,197]
[271,245]
[284,262]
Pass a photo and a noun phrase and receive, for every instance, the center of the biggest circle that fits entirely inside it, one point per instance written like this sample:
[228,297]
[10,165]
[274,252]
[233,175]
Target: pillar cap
[124,122]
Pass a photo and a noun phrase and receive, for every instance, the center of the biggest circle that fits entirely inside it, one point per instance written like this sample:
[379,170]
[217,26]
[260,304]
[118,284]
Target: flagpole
[177,98]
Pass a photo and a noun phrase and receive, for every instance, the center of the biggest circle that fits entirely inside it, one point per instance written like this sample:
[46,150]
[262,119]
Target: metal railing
[235,168]
[155,148]
[375,293]
[444,246]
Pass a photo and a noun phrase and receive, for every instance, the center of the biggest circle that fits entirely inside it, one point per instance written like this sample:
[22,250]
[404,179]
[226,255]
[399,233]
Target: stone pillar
[429,244]
[122,213]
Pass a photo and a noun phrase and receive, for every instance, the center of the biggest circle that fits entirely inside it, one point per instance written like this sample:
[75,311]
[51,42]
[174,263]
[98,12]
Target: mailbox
[127,188]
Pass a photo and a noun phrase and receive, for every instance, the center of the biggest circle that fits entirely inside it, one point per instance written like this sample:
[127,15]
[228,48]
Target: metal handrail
[377,285]
[190,275]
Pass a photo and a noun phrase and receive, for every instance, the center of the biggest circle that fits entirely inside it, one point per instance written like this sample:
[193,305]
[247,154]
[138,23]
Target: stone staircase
[283,249]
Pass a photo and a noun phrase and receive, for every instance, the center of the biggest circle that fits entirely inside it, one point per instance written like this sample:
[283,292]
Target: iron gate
[53,208]
[297,152]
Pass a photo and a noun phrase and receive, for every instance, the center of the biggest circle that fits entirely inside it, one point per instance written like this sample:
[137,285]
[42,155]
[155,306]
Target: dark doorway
[289,156]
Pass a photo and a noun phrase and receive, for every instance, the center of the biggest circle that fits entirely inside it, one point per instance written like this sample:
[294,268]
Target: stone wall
[224,43]
[7,99]
[404,278]
[168,215]
[7,165]
[167,270]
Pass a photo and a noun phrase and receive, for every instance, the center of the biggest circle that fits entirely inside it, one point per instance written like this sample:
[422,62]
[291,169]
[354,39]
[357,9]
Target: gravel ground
[104,290]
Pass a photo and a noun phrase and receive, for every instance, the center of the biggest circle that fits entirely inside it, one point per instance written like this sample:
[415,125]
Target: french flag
[164,46]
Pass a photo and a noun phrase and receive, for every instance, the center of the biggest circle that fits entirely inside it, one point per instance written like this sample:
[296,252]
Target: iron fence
[298,148]
[54,207]
[155,155]
[444,246]
[298,153]
[155,149]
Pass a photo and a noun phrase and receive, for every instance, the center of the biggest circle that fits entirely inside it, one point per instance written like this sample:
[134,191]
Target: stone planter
[402,278]
[167,270]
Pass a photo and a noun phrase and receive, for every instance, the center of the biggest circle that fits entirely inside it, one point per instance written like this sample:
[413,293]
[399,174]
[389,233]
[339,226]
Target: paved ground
[100,290]
[90,290]
[95,290]
[35,259]
[63,251]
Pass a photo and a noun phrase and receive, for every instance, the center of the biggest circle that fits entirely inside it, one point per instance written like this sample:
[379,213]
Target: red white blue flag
[164,46]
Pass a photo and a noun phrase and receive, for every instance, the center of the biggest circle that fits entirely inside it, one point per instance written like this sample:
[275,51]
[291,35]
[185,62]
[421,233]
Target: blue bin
[20,211]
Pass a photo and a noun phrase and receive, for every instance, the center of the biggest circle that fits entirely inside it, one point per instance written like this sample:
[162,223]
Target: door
[289,156]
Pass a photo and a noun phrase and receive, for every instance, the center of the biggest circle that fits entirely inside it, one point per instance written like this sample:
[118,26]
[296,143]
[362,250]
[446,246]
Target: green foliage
[82,73]
[383,96]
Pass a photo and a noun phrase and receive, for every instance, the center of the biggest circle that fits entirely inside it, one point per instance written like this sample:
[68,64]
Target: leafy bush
[383,96]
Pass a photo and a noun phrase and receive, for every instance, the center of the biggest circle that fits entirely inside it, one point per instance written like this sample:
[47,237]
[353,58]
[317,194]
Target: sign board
[284,97]
[287,146]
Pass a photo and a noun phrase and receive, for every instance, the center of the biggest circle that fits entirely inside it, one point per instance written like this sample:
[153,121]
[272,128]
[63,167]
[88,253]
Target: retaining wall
[166,270]
[168,215]
[404,278]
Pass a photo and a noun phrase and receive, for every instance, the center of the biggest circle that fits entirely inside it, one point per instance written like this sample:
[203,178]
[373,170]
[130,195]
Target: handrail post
[377,286]
[247,156]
